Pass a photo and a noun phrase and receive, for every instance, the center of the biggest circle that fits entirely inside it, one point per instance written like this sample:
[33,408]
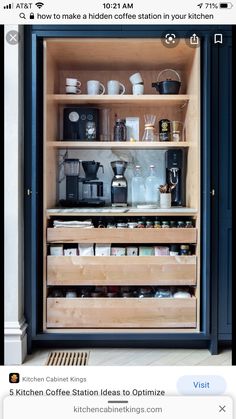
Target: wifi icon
[39,5]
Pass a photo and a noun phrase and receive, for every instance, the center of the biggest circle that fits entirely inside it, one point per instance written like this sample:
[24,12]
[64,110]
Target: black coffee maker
[92,187]
[176,175]
[119,188]
[82,191]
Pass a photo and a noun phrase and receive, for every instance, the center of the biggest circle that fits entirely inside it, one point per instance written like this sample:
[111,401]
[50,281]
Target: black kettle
[168,86]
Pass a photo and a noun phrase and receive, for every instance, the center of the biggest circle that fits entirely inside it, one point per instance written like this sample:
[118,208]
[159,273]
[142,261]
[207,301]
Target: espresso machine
[119,187]
[176,175]
[81,124]
[82,191]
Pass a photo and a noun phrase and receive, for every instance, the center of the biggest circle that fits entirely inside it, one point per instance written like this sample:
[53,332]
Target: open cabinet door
[225,191]
[33,175]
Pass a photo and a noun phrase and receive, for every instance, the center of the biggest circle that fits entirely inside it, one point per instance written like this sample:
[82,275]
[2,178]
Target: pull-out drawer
[121,313]
[121,270]
[121,235]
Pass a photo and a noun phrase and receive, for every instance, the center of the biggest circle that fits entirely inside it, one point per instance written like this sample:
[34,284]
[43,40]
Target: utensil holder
[165,200]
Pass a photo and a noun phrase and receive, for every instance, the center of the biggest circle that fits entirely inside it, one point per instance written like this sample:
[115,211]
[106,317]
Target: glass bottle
[120,130]
[138,187]
[152,187]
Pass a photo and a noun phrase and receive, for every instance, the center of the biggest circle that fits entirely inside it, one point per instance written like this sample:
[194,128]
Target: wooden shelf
[155,99]
[118,212]
[121,312]
[112,145]
[121,235]
[121,270]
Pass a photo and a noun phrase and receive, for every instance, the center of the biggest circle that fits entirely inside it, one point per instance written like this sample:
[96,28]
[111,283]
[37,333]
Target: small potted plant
[165,195]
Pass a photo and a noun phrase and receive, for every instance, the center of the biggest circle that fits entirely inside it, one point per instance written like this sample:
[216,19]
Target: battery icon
[227,5]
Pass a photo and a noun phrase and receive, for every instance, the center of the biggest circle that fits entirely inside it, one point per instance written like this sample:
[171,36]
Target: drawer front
[121,235]
[121,270]
[121,312]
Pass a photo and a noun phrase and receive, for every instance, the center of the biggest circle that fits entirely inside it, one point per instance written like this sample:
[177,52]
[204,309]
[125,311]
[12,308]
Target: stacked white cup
[72,86]
[137,82]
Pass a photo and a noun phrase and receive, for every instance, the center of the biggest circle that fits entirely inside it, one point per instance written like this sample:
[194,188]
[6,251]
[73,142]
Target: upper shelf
[155,99]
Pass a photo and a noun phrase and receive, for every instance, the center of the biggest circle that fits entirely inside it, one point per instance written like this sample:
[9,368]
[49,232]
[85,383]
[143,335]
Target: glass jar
[173,224]
[149,224]
[85,293]
[174,250]
[145,293]
[111,225]
[111,294]
[132,225]
[56,293]
[184,250]
[101,224]
[141,224]
[163,293]
[165,224]
[181,224]
[126,294]
[157,224]
[120,130]
[188,224]
[121,225]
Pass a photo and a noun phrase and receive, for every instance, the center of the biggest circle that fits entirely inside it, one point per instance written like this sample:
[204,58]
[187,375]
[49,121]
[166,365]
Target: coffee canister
[164,130]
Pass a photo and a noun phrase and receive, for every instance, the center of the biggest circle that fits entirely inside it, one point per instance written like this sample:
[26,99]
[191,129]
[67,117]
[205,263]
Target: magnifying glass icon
[22,15]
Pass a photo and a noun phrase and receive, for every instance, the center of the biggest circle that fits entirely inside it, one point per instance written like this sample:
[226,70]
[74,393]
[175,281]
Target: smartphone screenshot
[117,288]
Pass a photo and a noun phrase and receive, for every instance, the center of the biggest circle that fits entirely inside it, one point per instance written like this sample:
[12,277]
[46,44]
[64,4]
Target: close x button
[222,409]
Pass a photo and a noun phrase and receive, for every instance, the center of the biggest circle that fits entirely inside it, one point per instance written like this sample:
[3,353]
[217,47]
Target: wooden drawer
[121,270]
[121,312]
[121,235]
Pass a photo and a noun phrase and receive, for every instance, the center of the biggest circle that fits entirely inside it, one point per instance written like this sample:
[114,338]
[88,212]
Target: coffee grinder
[119,187]
[176,175]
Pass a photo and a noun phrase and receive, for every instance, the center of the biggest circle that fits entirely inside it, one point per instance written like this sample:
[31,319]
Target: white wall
[15,326]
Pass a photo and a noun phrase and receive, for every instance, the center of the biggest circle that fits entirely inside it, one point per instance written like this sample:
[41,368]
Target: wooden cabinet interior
[117,59]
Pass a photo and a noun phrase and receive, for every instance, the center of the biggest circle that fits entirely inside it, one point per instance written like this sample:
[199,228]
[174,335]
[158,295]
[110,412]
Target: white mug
[73,82]
[136,78]
[72,90]
[114,87]
[138,89]
[94,87]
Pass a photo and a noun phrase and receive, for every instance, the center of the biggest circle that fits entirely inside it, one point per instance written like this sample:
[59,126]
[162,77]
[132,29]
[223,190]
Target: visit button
[201,385]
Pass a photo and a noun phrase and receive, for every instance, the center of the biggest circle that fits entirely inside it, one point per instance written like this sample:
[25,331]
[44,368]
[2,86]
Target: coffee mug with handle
[114,87]
[138,89]
[73,82]
[72,90]
[94,87]
[136,78]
